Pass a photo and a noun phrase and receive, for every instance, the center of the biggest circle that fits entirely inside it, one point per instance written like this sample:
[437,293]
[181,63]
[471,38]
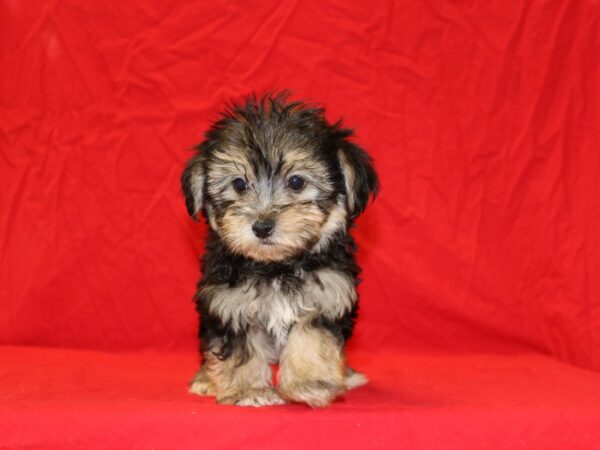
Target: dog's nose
[263,228]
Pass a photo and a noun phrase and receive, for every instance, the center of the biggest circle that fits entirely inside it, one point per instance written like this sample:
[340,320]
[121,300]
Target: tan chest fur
[274,309]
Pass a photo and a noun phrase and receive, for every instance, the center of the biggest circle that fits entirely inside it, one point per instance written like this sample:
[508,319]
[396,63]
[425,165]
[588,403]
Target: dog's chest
[267,305]
[276,309]
[275,306]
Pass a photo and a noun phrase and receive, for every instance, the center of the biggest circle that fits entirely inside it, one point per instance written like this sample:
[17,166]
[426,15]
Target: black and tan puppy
[280,188]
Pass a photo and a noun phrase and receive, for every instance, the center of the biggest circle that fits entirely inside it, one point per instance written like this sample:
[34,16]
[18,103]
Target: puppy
[279,188]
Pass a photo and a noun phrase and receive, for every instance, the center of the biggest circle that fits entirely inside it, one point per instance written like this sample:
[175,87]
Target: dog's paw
[201,385]
[354,379]
[253,397]
[316,394]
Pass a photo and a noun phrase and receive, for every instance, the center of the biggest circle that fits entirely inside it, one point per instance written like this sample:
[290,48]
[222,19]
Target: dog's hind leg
[354,379]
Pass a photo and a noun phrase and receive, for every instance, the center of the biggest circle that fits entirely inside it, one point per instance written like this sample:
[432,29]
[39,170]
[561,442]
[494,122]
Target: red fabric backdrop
[481,117]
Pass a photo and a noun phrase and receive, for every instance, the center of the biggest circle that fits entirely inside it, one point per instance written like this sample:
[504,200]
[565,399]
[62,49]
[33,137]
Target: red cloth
[481,117]
[86,399]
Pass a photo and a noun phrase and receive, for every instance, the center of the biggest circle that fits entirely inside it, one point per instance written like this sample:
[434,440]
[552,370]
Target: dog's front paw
[201,384]
[252,397]
[316,394]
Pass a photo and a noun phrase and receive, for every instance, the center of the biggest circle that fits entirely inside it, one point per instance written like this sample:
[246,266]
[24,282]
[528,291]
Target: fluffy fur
[279,188]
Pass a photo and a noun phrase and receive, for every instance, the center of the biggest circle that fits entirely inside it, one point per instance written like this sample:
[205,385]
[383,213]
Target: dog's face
[275,180]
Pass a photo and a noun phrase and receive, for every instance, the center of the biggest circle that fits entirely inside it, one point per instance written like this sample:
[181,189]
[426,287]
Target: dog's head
[275,180]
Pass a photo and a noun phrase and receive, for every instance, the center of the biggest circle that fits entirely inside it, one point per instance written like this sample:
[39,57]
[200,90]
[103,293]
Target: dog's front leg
[311,367]
[245,377]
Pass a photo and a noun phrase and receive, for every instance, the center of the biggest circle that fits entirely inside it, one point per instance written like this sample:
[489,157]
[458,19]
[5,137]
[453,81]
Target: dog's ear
[360,178]
[192,184]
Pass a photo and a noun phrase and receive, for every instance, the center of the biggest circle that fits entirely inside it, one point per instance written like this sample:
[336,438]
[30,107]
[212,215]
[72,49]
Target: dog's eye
[296,183]
[240,185]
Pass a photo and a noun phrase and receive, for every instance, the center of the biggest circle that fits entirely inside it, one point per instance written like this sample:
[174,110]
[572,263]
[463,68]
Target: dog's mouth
[266,241]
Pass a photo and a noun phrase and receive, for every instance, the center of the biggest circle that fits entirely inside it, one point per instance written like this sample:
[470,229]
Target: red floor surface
[84,399]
